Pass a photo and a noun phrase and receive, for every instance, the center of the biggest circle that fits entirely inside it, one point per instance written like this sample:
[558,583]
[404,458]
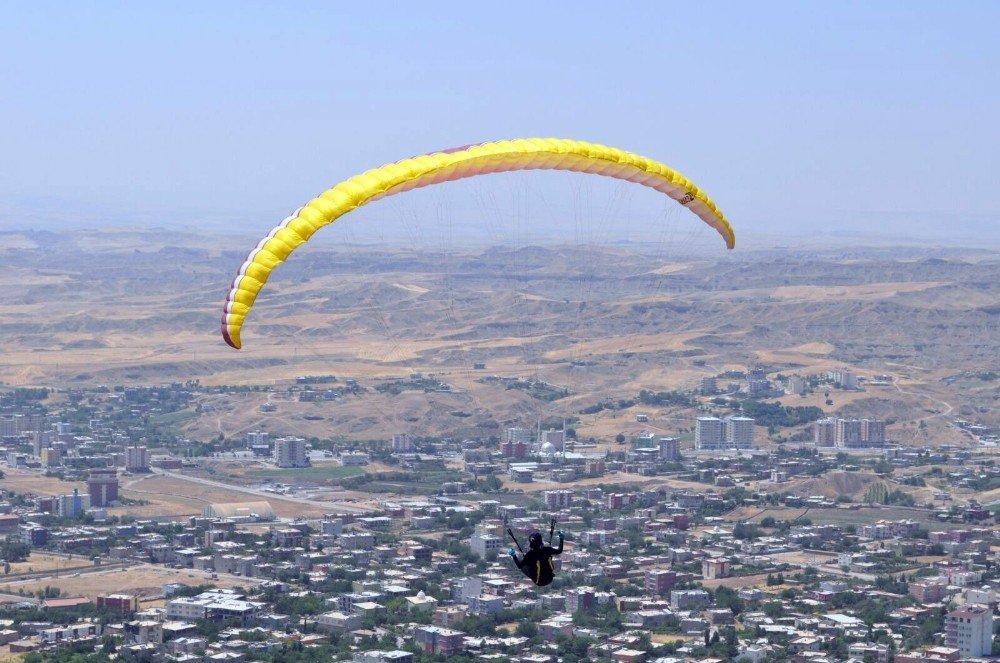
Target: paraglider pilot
[537,562]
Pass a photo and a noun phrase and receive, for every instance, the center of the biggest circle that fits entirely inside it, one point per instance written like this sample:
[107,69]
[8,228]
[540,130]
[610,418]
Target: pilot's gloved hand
[561,535]
[510,551]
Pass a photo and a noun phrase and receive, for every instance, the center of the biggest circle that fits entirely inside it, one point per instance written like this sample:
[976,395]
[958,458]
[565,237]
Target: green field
[172,418]
[319,474]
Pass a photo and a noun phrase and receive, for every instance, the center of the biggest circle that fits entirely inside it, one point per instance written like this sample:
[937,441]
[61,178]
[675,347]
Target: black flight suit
[537,563]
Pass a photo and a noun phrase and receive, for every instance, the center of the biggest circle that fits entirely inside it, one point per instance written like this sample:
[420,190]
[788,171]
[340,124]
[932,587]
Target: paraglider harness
[537,562]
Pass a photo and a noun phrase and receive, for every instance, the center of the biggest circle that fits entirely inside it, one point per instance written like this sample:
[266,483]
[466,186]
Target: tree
[732,641]
[527,629]
[726,597]
[774,609]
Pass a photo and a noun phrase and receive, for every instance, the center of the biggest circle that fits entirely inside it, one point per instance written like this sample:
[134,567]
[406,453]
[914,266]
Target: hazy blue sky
[861,115]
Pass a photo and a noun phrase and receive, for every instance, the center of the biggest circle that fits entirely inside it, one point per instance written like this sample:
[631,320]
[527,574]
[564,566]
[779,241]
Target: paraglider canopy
[446,166]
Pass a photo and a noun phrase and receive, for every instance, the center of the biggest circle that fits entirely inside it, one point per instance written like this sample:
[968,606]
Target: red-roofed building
[57,604]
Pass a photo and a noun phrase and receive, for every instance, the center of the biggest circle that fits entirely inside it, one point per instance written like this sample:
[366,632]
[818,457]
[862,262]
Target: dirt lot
[738,582]
[40,562]
[146,580]
[26,481]
[170,496]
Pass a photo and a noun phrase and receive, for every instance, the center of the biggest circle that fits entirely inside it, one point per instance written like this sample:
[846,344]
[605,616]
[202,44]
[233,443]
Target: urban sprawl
[701,544]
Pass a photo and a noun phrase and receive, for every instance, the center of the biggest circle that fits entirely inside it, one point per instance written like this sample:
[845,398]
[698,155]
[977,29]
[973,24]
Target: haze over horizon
[849,121]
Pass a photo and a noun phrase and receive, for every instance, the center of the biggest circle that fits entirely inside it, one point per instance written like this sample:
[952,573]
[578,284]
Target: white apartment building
[709,433]
[486,541]
[970,629]
[849,433]
[72,505]
[844,377]
[136,459]
[670,448]
[256,438]
[714,434]
[219,604]
[338,622]
[739,432]
[517,436]
[403,443]
[290,452]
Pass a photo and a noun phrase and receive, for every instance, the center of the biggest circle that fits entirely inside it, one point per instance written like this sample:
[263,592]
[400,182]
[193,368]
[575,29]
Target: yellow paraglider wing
[447,166]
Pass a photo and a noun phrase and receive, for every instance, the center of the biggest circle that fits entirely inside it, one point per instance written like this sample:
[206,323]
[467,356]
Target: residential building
[136,459]
[739,432]
[795,385]
[670,448]
[487,539]
[873,432]
[396,656]
[843,377]
[102,486]
[928,591]
[517,436]
[825,432]
[848,434]
[580,598]
[558,499]
[659,582]
[437,640]
[215,605]
[689,599]
[256,438]
[338,622]
[714,568]
[123,603]
[290,452]
[714,434]
[970,629]
[757,383]
[51,457]
[34,534]
[73,505]
[709,433]
[403,443]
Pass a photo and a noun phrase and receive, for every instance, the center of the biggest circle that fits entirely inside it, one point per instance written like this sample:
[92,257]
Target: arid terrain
[592,323]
